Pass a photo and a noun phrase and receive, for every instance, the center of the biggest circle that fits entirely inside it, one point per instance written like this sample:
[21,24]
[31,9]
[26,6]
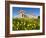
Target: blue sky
[35,11]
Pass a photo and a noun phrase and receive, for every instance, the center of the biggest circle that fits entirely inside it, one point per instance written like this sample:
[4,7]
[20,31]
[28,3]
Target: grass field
[25,24]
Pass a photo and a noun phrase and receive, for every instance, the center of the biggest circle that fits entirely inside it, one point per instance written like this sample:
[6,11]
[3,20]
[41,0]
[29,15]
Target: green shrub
[25,24]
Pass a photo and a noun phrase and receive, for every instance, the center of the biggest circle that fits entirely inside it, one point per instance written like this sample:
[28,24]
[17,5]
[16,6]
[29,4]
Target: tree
[38,17]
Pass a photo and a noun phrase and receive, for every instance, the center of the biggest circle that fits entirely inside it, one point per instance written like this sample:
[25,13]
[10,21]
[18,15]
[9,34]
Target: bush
[26,24]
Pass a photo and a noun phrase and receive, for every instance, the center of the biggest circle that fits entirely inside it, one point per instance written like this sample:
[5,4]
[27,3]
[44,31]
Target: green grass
[26,24]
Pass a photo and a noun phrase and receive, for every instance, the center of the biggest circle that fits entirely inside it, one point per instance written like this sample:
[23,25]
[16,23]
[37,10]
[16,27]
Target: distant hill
[26,16]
